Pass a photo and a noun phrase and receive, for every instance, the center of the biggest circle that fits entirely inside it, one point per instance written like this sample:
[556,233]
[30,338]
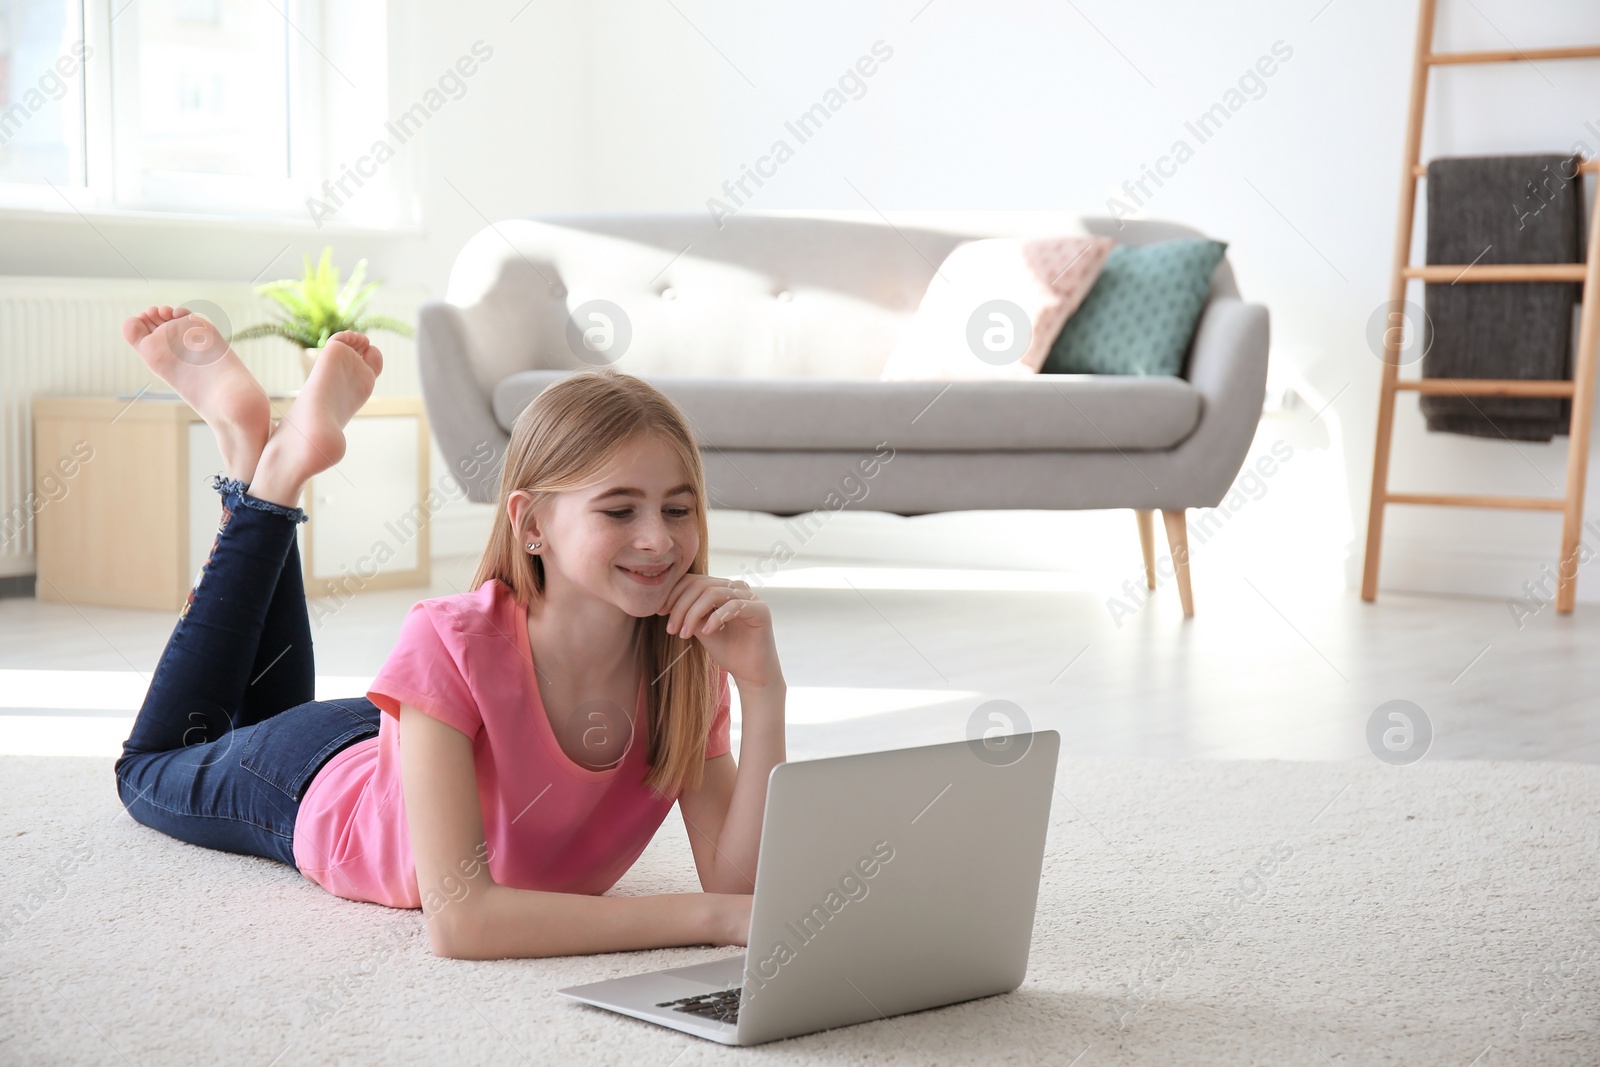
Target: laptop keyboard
[722,1006]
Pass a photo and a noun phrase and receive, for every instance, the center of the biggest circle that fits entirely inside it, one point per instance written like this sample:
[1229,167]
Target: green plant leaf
[316,306]
[277,329]
[287,295]
[348,293]
[383,322]
[357,306]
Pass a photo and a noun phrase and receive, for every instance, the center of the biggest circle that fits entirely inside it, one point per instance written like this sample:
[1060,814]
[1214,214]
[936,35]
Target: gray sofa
[770,333]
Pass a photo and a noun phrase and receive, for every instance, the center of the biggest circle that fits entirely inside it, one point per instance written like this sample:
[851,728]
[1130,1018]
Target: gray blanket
[1501,209]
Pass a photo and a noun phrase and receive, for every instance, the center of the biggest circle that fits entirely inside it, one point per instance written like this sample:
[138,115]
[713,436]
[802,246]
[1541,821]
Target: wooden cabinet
[129,515]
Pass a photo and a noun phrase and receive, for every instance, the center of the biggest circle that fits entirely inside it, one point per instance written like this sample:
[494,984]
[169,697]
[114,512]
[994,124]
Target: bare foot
[310,437]
[188,353]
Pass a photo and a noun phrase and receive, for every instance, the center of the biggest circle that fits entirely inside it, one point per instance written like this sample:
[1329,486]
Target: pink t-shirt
[549,823]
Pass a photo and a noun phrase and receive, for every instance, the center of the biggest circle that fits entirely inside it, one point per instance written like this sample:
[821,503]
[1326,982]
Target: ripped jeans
[230,733]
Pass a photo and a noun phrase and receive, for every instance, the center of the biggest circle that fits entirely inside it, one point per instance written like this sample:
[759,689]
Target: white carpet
[1442,913]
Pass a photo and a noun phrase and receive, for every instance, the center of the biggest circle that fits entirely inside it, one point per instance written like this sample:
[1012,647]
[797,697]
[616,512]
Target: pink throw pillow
[967,325]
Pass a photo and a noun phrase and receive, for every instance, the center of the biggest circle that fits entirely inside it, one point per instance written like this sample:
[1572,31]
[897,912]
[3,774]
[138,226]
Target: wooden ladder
[1580,389]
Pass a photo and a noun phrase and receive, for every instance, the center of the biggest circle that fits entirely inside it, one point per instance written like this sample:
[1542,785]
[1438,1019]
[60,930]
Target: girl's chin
[642,601]
[638,607]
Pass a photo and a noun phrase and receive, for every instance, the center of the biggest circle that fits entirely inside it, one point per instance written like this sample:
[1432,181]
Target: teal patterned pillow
[1141,313]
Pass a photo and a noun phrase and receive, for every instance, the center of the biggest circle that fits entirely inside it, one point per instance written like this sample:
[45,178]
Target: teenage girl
[525,739]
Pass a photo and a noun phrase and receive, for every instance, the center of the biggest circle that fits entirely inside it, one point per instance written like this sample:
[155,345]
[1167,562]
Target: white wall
[1038,106]
[1010,105]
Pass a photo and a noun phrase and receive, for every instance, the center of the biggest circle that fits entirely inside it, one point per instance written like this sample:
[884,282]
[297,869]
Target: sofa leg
[1178,541]
[1147,543]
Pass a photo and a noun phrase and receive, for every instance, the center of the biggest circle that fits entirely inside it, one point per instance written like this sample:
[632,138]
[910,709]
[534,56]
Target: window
[41,92]
[206,107]
[230,108]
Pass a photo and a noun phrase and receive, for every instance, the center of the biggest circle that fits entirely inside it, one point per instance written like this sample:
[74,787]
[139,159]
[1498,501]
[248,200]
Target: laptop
[888,882]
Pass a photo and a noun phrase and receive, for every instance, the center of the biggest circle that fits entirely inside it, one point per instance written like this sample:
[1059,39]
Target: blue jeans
[230,734]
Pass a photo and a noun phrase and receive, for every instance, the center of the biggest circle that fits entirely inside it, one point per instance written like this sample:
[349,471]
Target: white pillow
[995,306]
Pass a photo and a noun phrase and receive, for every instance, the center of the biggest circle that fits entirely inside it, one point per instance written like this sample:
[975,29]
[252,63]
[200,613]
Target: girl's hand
[732,622]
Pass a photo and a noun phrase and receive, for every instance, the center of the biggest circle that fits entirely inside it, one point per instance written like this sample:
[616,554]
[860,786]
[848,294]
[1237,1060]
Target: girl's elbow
[452,935]
[448,950]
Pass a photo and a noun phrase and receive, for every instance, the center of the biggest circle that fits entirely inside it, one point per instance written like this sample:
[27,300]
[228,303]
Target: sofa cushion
[1141,313]
[994,306]
[1038,413]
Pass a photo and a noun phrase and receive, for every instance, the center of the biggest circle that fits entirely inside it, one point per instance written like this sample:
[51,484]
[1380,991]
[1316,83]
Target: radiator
[63,337]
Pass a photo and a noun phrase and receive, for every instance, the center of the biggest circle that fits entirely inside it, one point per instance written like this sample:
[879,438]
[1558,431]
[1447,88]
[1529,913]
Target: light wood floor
[880,656]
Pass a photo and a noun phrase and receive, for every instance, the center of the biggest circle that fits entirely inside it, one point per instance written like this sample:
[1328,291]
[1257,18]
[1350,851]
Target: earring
[533,545]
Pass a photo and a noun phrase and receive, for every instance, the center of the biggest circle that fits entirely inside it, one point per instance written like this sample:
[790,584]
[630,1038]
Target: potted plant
[317,306]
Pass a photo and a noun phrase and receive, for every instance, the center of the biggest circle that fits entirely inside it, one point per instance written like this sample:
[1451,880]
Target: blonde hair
[561,442]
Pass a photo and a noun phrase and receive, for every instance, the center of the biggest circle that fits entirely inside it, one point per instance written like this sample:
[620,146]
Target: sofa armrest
[1228,367]
[459,411]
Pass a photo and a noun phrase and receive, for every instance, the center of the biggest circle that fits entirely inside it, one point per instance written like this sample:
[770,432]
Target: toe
[362,345]
[135,329]
[355,340]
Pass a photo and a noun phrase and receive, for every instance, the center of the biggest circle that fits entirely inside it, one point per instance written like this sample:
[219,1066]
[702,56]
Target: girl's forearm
[761,748]
[509,923]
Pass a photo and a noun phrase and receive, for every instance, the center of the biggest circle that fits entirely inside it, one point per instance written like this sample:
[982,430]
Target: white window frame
[116,187]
